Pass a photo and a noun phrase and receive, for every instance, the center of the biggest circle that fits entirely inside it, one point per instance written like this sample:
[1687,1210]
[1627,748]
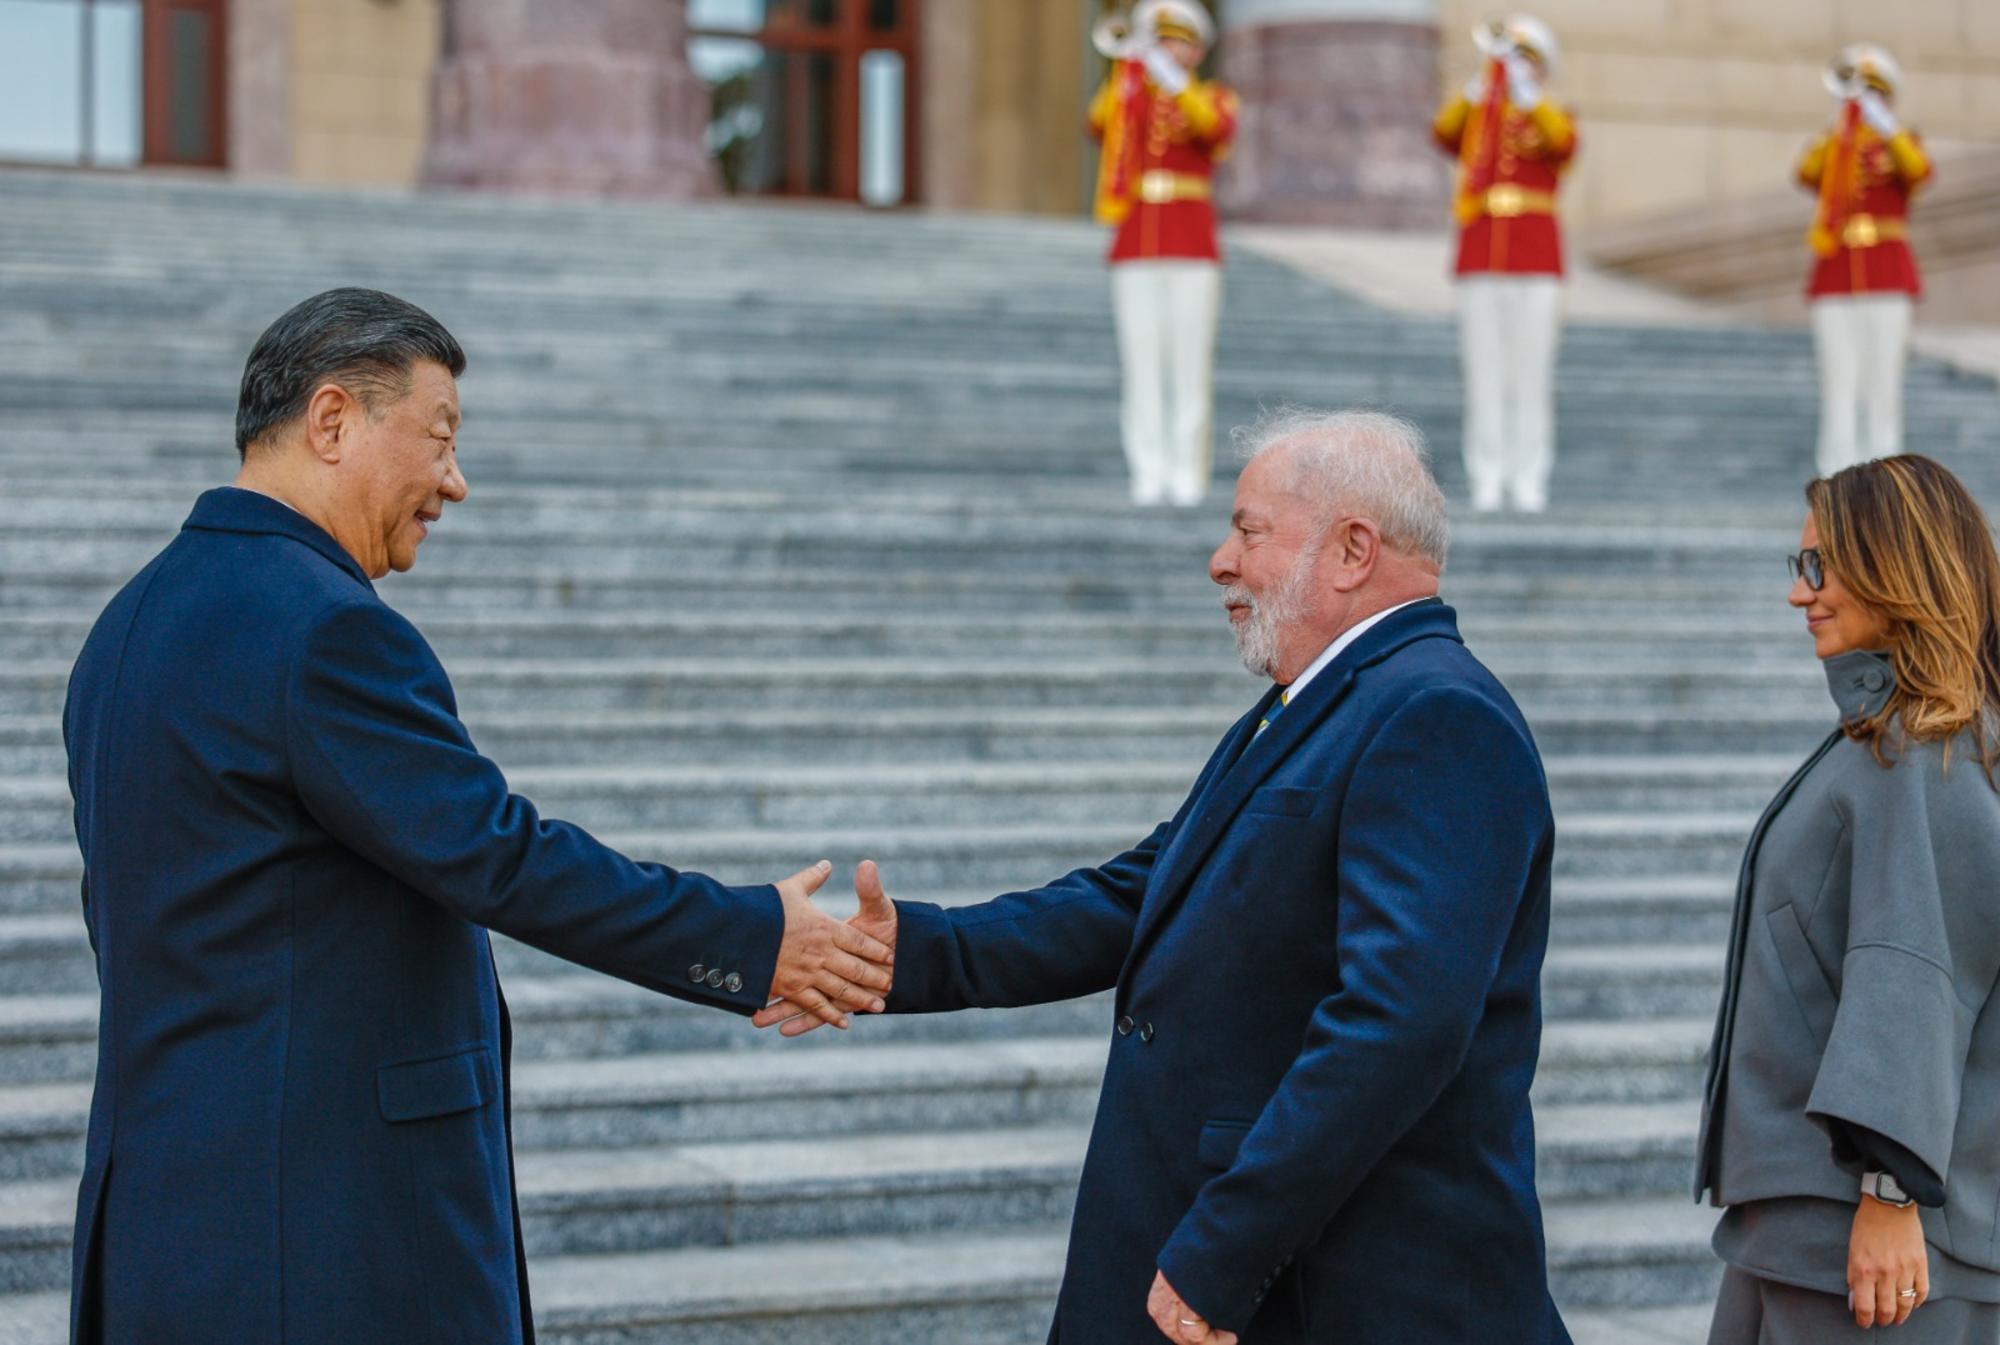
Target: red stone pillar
[1338,97]
[581,98]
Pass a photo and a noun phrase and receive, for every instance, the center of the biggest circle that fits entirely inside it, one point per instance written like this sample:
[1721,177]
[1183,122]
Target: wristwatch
[1883,1186]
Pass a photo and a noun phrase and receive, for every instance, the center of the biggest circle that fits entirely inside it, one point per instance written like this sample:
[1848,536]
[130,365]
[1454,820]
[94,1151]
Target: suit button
[1125,1026]
[1146,1034]
[732,983]
[696,972]
[715,978]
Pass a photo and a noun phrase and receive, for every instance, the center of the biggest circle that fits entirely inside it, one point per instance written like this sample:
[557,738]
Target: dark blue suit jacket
[292,854]
[1315,1118]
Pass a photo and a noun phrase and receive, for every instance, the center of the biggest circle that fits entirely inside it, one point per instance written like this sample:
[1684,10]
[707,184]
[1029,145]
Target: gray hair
[1359,463]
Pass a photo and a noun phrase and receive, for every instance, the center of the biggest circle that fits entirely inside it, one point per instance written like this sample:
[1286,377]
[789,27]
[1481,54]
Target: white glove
[1522,86]
[1875,111]
[1167,74]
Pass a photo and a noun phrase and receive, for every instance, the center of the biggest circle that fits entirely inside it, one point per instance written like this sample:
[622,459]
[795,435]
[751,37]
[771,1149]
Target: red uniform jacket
[1506,198]
[1169,148]
[1860,243]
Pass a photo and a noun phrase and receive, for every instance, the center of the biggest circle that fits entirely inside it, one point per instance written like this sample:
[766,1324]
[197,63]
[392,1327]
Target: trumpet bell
[1112,36]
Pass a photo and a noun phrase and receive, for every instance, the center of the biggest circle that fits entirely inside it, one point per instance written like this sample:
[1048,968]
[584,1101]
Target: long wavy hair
[1908,541]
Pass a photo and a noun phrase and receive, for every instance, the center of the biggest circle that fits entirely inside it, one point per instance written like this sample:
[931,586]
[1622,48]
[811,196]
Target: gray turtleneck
[1858,1007]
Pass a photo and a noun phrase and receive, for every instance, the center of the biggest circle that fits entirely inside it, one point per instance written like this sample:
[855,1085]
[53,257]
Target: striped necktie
[1271,715]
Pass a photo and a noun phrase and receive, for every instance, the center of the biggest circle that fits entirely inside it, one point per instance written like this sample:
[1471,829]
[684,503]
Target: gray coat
[1862,960]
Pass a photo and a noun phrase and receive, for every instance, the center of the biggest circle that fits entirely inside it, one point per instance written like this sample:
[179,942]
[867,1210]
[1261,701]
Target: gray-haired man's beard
[1284,606]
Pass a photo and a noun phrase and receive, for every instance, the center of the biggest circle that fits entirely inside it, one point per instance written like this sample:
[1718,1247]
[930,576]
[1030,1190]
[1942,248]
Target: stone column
[260,73]
[1338,97]
[581,98]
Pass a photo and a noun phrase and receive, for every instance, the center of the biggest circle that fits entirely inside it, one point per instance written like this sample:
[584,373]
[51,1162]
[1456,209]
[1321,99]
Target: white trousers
[1508,327]
[1861,340]
[1167,312]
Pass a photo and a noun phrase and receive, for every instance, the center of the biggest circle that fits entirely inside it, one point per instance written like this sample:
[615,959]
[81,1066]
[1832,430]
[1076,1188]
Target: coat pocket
[418,1089]
[1810,988]
[1219,1142]
[1283,801]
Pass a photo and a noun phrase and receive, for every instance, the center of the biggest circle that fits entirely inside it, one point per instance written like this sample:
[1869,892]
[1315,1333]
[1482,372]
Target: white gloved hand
[1168,74]
[1522,86]
[1876,112]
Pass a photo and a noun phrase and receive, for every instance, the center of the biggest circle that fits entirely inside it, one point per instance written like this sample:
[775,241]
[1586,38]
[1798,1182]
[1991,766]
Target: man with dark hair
[292,854]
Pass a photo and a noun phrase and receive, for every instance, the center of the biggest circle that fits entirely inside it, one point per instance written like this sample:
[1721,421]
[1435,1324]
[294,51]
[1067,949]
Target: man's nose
[456,488]
[1222,565]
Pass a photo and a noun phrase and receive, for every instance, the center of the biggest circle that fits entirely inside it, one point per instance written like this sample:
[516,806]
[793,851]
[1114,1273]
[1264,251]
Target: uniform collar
[1861,684]
[233,509]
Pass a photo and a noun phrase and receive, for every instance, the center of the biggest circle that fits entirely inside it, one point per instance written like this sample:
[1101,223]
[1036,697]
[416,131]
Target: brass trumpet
[1491,38]
[1842,78]
[1118,38]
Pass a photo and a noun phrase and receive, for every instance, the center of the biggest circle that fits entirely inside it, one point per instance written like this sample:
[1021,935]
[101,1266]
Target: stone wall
[360,89]
[1337,101]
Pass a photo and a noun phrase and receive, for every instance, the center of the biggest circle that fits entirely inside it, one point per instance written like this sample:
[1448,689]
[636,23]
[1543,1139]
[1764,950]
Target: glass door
[810,97]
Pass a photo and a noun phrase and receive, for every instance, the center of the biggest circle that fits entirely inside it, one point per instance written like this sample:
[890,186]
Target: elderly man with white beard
[1314,1124]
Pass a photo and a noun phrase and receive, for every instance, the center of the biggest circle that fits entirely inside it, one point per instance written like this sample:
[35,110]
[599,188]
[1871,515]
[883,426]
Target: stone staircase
[799,533]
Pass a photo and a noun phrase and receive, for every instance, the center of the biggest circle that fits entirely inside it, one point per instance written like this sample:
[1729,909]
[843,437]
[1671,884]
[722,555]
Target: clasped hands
[827,968]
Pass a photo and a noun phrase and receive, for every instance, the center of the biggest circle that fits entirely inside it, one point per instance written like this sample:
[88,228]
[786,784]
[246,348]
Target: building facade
[1687,105]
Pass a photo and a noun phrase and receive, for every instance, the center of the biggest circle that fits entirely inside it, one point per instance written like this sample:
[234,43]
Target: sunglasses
[1808,566]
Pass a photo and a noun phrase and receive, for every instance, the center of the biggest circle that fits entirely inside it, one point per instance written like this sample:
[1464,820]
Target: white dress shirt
[1339,646]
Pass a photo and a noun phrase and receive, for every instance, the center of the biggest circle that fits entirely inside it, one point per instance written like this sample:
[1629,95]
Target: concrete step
[875,1079]
[803,737]
[1135,793]
[655,1198]
[841,685]
[649,1198]
[50,635]
[44,877]
[562,1012]
[1680,918]
[992,1288]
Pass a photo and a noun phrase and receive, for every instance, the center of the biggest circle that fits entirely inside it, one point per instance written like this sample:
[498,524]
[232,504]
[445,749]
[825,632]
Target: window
[71,71]
[810,97]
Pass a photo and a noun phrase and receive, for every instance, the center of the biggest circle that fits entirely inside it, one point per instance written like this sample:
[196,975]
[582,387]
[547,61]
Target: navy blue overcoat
[1315,1118]
[292,854]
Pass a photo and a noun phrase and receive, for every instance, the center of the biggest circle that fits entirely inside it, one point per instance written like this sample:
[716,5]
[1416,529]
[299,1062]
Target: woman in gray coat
[1851,1123]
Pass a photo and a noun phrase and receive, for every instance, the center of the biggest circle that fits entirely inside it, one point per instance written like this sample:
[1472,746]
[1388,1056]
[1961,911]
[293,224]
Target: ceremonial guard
[1512,143]
[1864,278]
[1163,129]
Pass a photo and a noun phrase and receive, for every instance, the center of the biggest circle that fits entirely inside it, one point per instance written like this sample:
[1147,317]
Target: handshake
[829,969]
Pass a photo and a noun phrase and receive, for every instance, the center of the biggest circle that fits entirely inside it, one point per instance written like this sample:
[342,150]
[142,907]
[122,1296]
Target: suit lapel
[1230,785]
[1220,766]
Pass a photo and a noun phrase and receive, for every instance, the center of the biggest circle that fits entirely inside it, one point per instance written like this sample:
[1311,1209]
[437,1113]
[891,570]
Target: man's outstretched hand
[826,969]
[874,926]
[1179,1322]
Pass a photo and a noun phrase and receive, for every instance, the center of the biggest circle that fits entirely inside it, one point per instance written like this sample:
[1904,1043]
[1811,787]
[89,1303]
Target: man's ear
[330,415]
[1354,546]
